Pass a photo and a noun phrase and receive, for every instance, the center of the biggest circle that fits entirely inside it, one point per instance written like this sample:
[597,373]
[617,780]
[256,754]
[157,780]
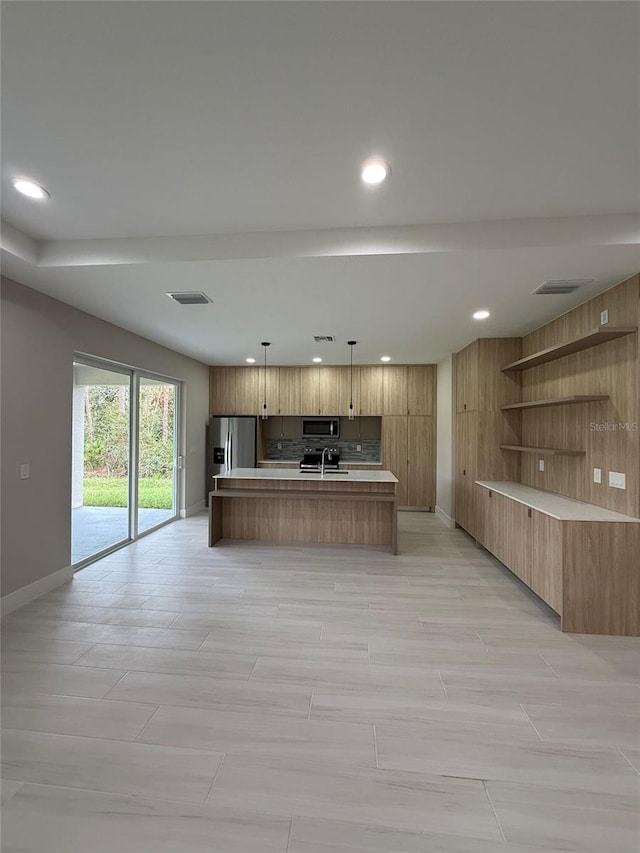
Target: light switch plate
[597,475]
[540,464]
[25,471]
[617,480]
[604,317]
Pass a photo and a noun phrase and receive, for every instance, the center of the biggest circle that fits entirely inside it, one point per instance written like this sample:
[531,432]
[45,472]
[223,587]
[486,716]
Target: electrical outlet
[540,464]
[597,475]
[604,317]
[25,471]
[359,448]
[279,445]
[617,480]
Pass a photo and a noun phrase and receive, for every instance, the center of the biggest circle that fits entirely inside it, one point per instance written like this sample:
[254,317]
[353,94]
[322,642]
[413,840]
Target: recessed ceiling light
[481,315]
[250,360]
[30,188]
[375,171]
[317,360]
[385,358]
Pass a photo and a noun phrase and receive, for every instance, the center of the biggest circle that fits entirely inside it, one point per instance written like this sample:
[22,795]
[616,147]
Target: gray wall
[444,437]
[39,336]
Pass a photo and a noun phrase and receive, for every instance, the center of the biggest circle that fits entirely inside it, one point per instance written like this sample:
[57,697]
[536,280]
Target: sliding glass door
[101,459]
[157,452]
[124,456]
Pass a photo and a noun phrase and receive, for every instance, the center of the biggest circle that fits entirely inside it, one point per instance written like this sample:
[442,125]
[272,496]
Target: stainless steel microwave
[320,427]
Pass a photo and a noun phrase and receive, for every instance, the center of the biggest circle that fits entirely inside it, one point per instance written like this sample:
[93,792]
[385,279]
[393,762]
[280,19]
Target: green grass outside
[153,493]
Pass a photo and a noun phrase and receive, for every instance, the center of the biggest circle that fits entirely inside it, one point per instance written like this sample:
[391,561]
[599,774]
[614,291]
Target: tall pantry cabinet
[480,426]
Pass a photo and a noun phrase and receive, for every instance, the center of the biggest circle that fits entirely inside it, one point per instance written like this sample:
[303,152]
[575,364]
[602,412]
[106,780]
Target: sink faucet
[324,450]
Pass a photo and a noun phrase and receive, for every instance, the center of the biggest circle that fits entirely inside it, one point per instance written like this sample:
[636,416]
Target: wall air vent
[190,297]
[324,339]
[560,286]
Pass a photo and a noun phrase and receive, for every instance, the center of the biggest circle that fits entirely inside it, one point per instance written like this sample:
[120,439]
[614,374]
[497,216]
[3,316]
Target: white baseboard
[194,509]
[442,515]
[34,590]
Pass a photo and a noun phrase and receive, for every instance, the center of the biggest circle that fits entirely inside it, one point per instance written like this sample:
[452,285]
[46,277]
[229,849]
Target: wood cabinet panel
[394,451]
[421,389]
[465,471]
[371,379]
[289,391]
[421,461]
[518,539]
[467,378]
[310,390]
[495,388]
[247,390]
[333,391]
[394,390]
[545,577]
[347,387]
[223,388]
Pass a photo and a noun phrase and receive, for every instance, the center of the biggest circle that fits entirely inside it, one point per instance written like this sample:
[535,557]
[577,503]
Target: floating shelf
[599,335]
[557,401]
[543,451]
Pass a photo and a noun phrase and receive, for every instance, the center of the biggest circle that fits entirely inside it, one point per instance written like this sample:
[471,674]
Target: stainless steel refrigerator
[231,443]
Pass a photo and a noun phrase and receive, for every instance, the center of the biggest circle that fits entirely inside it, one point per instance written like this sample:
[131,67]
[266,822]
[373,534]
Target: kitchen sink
[326,472]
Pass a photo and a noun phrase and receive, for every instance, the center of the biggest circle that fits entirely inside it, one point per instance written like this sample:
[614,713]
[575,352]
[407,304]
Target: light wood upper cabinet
[345,391]
[309,391]
[394,390]
[421,389]
[247,390]
[371,379]
[223,390]
[395,450]
[467,378]
[329,401]
[421,438]
[289,391]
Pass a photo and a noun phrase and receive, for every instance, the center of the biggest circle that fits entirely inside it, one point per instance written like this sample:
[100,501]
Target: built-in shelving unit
[557,401]
[543,451]
[597,336]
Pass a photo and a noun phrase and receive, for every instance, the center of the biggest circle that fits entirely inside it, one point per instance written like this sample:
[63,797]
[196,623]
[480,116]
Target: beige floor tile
[474,756]
[123,635]
[44,819]
[312,741]
[216,693]
[59,679]
[17,646]
[43,712]
[310,835]
[8,789]
[136,769]
[596,726]
[109,615]
[398,800]
[169,661]
[567,820]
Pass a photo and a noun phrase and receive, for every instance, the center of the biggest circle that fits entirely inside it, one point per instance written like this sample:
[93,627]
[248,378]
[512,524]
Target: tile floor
[270,699]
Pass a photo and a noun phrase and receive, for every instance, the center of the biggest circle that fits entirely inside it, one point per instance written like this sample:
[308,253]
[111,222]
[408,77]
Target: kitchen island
[289,505]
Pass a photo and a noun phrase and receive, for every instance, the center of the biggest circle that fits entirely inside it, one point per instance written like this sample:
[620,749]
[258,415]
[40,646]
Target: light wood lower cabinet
[587,571]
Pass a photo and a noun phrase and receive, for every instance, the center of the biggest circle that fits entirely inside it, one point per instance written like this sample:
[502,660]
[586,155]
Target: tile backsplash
[293,448]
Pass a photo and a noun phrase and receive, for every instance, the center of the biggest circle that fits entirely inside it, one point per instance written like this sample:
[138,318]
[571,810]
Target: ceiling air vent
[554,288]
[324,339]
[190,297]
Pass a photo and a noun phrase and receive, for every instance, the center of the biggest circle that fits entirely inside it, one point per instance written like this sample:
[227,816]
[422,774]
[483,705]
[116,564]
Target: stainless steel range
[312,460]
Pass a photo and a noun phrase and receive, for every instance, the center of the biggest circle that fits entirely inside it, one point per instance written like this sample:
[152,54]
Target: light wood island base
[359,508]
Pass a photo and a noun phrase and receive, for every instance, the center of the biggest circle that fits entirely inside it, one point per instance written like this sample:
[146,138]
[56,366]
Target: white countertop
[296,474]
[556,506]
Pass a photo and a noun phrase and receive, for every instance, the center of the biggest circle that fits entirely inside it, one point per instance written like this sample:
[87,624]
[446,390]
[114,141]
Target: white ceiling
[186,121]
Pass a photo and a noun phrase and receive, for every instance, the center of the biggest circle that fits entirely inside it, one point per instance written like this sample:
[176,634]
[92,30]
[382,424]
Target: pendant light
[265,413]
[351,412]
